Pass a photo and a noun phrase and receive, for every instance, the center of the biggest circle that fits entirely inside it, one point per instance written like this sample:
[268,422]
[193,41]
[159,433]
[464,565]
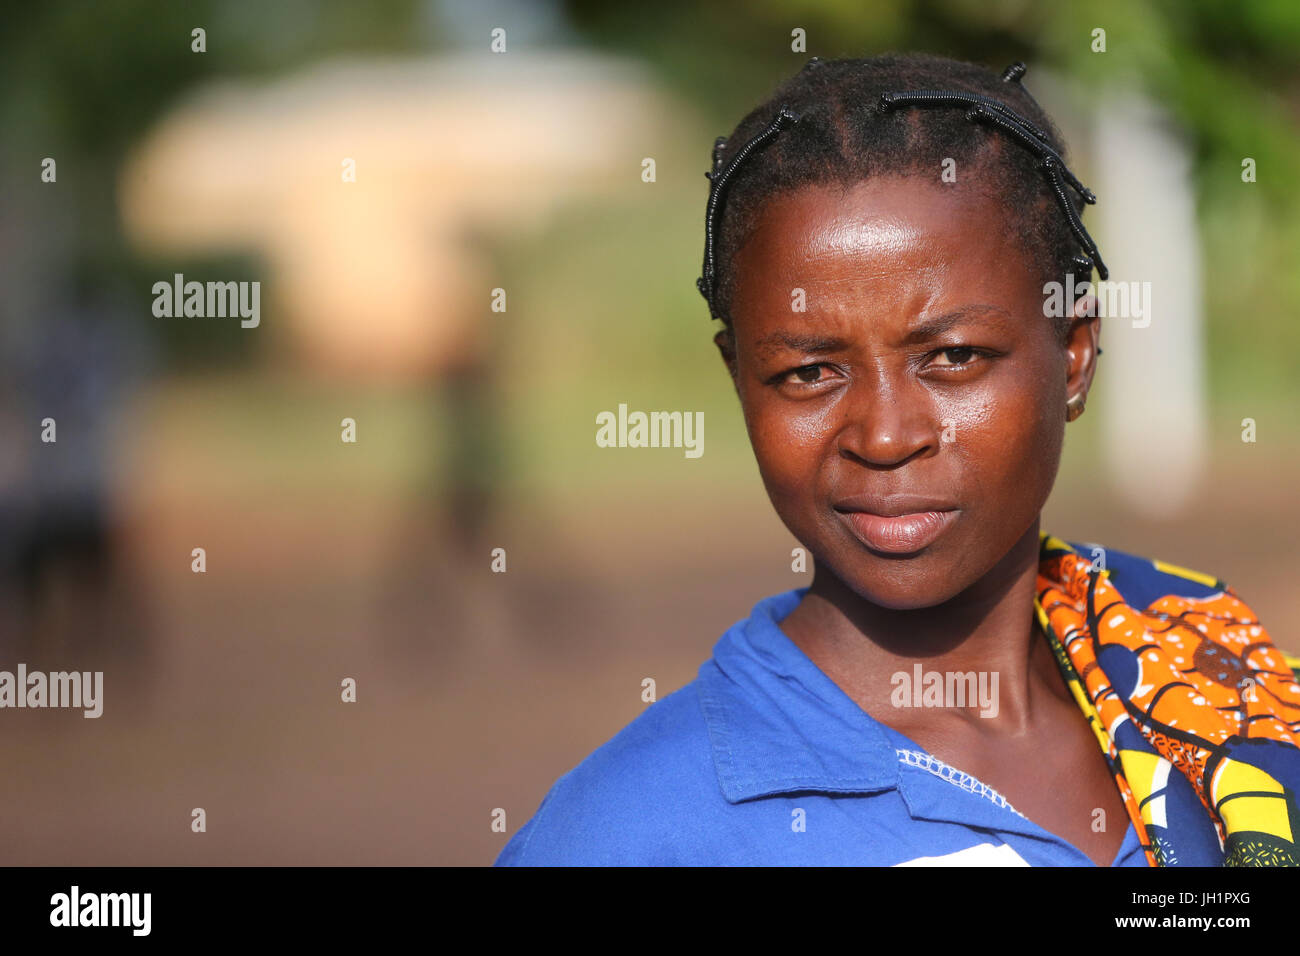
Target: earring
[1074,407]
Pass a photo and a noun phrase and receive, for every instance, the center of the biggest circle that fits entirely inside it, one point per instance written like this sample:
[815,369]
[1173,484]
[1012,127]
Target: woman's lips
[903,534]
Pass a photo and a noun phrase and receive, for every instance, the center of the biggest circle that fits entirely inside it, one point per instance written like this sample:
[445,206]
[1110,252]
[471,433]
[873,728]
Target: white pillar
[1152,375]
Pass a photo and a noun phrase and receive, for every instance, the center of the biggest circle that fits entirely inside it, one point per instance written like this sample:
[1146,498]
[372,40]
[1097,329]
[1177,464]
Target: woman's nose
[887,421]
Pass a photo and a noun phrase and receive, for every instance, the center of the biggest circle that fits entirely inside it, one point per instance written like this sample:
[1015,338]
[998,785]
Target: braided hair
[837,122]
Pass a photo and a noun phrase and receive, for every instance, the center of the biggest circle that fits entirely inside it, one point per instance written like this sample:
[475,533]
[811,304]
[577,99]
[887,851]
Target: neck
[988,629]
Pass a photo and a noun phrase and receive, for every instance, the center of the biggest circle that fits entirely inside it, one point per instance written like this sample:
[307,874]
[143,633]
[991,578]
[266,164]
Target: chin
[911,598]
[899,583]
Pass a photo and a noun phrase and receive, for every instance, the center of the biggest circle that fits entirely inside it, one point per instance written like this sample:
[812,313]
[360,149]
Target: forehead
[900,242]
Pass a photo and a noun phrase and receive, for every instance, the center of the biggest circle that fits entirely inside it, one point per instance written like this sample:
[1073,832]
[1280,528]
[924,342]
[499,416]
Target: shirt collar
[778,724]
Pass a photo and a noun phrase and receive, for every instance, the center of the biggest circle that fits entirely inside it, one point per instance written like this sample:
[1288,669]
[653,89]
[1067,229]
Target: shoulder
[631,800]
[1146,581]
[1141,578]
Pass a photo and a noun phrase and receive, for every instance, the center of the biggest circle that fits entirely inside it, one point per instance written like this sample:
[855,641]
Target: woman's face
[920,377]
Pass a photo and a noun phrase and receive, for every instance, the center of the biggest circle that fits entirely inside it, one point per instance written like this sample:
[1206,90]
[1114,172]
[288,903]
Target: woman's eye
[958,355]
[806,374]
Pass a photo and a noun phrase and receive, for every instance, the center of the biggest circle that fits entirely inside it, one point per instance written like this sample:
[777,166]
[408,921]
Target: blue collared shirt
[763,760]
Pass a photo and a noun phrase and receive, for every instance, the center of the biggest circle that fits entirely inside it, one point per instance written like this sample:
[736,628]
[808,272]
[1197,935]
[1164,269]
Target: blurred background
[520,170]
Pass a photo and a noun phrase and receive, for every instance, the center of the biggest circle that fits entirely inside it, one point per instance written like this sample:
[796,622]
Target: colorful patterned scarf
[1197,711]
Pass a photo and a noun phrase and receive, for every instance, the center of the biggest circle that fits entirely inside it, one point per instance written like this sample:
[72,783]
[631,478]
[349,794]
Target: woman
[881,237]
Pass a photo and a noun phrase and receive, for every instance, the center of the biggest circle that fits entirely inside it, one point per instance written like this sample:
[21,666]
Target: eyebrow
[801,342]
[934,327]
[931,328]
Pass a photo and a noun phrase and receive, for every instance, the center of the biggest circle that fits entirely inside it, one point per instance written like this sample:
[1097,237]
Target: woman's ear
[1082,345]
